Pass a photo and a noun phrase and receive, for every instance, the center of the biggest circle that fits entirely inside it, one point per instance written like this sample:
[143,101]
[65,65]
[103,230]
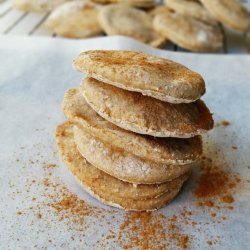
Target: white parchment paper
[35,73]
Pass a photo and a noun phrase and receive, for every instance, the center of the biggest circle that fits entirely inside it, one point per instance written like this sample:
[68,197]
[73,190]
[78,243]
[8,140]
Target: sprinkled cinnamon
[215,185]
[137,230]
[225,123]
[227,199]
[144,230]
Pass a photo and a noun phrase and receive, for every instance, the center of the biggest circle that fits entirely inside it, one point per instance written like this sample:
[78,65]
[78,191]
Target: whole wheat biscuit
[76,19]
[119,19]
[146,115]
[162,150]
[188,32]
[123,165]
[36,5]
[230,12]
[107,188]
[135,3]
[153,76]
[192,9]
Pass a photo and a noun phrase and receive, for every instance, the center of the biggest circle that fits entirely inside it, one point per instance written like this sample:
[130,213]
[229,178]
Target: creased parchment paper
[34,74]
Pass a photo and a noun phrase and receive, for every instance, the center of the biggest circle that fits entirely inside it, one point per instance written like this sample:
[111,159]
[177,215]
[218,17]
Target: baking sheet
[34,74]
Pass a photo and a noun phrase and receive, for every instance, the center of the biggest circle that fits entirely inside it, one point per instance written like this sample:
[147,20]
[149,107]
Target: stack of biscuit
[133,129]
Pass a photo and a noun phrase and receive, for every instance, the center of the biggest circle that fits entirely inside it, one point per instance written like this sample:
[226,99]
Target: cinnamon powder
[141,230]
[223,123]
[144,230]
[215,185]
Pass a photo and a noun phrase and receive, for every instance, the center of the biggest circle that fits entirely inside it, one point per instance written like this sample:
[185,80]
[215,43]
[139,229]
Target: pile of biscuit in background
[133,129]
[191,24]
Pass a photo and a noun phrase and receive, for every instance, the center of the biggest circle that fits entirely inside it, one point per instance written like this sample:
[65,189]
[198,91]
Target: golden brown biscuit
[160,78]
[76,19]
[173,151]
[119,19]
[188,32]
[230,12]
[145,115]
[124,165]
[36,5]
[192,9]
[108,189]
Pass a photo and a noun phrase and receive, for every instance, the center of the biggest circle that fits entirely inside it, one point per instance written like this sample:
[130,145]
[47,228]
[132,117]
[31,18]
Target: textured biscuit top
[190,8]
[161,150]
[150,75]
[145,115]
[120,19]
[230,12]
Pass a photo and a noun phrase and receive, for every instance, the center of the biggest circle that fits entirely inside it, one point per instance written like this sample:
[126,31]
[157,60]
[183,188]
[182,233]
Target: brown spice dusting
[72,204]
[225,123]
[215,185]
[46,182]
[209,242]
[222,123]
[112,235]
[175,230]
[143,229]
[184,241]
[49,166]
[39,215]
[227,199]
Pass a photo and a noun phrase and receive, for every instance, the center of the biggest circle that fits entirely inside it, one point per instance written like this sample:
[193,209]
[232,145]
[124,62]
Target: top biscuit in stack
[116,118]
[152,76]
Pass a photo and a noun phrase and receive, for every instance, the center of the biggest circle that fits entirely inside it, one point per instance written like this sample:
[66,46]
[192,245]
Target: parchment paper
[34,74]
